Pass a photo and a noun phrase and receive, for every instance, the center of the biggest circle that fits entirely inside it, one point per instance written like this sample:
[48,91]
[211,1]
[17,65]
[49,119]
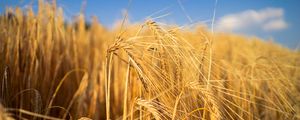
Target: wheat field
[51,69]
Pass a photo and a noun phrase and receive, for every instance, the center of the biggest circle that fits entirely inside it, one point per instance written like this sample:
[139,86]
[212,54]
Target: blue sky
[277,19]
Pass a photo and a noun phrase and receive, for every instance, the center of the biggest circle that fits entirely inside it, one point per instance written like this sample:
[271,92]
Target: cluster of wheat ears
[50,69]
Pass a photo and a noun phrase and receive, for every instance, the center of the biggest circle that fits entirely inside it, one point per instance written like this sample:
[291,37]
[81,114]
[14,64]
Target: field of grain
[51,69]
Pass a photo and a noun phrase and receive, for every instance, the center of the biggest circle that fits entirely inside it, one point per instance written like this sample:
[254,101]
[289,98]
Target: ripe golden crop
[55,70]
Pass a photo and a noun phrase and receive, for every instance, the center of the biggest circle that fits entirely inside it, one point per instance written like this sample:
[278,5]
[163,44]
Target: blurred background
[277,20]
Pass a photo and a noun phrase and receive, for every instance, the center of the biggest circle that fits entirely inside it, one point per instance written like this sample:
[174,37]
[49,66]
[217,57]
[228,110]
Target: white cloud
[275,25]
[268,19]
